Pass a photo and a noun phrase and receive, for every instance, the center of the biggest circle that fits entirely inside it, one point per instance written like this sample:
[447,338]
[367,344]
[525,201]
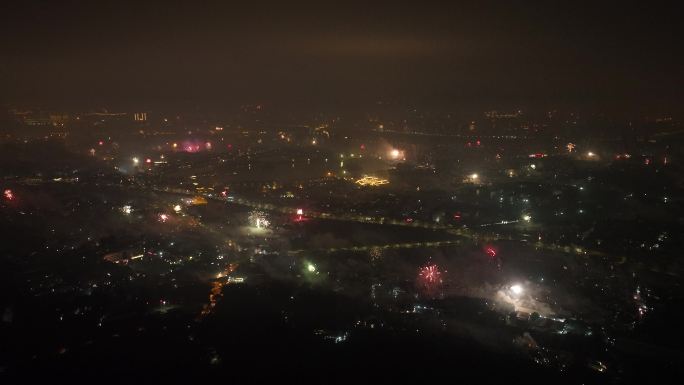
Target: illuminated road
[461,232]
[405,245]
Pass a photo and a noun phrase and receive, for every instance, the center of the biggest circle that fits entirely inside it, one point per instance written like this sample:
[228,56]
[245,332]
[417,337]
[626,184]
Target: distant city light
[311,268]
[300,212]
[135,161]
[163,218]
[177,208]
[394,154]
[527,217]
[126,209]
[8,194]
[590,154]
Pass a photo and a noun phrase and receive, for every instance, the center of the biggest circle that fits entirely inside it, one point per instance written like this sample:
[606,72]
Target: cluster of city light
[371,181]
[8,194]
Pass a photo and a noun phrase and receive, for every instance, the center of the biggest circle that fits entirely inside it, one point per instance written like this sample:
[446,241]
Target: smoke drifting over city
[354,192]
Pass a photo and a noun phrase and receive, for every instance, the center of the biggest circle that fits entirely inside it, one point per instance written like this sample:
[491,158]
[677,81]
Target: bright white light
[516,289]
[395,154]
[135,161]
[177,208]
[259,220]
[527,217]
[533,166]
[163,217]
[311,268]
[474,176]
[126,209]
[300,212]
[590,154]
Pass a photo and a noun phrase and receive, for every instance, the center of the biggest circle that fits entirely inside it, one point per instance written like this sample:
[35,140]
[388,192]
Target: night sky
[616,55]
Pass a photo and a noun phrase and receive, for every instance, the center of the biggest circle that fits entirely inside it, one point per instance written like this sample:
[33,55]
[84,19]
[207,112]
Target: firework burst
[430,274]
[259,219]
[430,281]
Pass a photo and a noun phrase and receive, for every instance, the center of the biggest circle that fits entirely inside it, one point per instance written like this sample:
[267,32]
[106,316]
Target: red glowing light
[148,160]
[300,218]
[100,143]
[477,143]
[491,252]
[9,195]
[409,220]
[363,146]
[430,274]
[457,215]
